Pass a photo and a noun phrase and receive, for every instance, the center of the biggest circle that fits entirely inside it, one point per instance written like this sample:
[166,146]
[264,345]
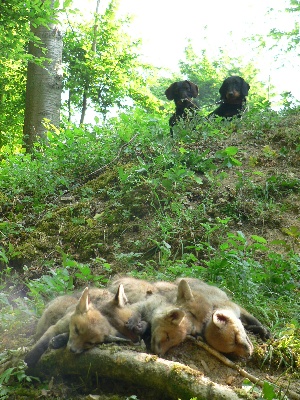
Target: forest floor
[102,229]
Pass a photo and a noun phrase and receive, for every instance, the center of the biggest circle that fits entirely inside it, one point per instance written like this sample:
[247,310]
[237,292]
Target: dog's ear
[170,91]
[223,90]
[194,88]
[245,88]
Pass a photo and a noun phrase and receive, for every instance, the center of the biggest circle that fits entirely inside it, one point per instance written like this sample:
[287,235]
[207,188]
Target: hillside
[221,203]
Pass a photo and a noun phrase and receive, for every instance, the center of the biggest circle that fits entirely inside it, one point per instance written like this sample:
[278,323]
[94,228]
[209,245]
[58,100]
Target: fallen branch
[167,379]
[293,395]
[96,173]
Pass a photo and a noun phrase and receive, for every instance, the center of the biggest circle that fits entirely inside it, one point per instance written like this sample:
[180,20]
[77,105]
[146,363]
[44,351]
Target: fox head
[171,325]
[195,305]
[118,311]
[225,333]
[168,329]
[224,330]
[88,326]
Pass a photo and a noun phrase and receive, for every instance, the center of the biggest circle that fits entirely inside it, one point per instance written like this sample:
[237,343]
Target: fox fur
[149,309]
[198,309]
[222,325]
[77,323]
[136,289]
[117,310]
[219,300]
[159,323]
[88,327]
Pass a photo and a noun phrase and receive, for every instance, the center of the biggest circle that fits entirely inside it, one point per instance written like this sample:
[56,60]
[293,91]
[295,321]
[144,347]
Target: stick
[96,173]
[293,395]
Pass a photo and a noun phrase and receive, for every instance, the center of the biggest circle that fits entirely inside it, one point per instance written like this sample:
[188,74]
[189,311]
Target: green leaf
[198,180]
[258,239]
[231,150]
[167,183]
[268,391]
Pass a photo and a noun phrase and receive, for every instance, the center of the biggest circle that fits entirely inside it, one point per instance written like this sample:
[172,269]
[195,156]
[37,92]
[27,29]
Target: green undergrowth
[220,203]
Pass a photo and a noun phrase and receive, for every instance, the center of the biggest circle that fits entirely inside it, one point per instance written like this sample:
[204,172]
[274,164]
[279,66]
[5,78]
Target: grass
[220,203]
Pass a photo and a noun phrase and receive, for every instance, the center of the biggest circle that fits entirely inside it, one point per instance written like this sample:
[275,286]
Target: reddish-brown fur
[88,326]
[199,309]
[135,289]
[167,313]
[80,323]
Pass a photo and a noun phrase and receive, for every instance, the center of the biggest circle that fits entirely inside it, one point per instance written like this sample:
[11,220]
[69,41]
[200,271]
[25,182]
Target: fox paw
[59,341]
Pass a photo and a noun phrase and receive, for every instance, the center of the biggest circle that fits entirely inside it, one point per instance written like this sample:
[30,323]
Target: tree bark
[44,85]
[87,84]
[84,101]
[165,379]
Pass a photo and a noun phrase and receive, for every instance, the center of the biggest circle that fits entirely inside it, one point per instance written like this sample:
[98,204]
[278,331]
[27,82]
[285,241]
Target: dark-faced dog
[233,97]
[182,93]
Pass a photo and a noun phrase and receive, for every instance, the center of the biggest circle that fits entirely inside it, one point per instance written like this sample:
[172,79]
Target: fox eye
[167,337]
[76,330]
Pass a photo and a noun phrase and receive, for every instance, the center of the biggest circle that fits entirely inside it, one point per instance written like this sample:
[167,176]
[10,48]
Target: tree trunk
[84,102]
[69,105]
[44,85]
[132,371]
[87,85]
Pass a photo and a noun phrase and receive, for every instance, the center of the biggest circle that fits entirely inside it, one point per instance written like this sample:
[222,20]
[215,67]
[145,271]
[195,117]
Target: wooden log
[167,379]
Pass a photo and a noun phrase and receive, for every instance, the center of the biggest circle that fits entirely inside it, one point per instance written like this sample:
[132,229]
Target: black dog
[233,97]
[182,93]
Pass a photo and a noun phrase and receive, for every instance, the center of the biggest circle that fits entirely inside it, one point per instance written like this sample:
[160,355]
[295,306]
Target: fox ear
[221,318]
[120,297]
[84,301]
[184,292]
[175,316]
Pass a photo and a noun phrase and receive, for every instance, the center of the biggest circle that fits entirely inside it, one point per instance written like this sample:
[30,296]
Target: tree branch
[241,371]
[167,379]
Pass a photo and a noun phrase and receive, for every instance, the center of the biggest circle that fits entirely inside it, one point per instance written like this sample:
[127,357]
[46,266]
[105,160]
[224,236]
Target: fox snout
[74,349]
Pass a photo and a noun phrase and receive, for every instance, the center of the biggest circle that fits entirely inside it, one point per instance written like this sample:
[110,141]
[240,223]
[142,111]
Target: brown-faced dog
[233,97]
[182,93]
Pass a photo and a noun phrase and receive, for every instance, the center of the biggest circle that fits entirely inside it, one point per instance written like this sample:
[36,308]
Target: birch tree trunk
[44,85]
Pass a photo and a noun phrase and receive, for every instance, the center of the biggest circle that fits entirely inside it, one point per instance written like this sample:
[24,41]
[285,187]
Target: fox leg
[62,326]
[59,341]
[253,325]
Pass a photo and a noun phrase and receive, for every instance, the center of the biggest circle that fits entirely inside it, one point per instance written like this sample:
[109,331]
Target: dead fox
[80,325]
